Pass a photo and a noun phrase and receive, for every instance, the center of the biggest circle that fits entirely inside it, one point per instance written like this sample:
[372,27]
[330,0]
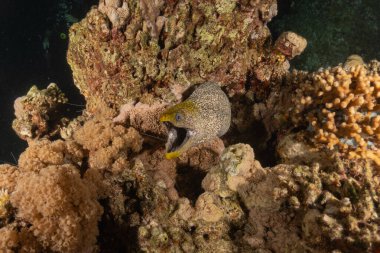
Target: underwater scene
[190,126]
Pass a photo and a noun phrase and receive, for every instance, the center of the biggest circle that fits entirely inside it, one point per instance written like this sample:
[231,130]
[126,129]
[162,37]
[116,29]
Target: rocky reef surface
[298,170]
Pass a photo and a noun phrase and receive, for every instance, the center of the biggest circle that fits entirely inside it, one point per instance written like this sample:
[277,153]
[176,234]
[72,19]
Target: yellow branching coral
[4,200]
[341,108]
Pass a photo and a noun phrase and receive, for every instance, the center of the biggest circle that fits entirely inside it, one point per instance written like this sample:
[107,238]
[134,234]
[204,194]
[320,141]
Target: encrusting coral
[340,108]
[125,48]
[39,113]
[294,208]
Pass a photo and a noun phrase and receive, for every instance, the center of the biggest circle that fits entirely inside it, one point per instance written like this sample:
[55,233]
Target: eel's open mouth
[177,137]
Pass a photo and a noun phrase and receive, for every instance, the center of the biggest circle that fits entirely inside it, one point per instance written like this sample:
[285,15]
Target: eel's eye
[178,117]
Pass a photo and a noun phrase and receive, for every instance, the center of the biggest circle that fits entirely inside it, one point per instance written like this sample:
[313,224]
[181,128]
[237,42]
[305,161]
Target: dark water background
[24,26]
[334,29]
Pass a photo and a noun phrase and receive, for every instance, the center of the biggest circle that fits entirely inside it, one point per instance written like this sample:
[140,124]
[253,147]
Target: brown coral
[8,177]
[125,48]
[61,207]
[43,153]
[299,208]
[143,117]
[290,44]
[18,240]
[108,144]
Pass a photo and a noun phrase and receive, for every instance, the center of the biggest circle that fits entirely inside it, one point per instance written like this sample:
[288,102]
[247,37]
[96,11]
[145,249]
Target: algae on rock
[125,48]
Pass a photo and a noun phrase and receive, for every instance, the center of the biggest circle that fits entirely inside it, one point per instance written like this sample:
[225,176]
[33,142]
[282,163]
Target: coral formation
[108,144]
[52,206]
[44,153]
[294,208]
[8,176]
[352,61]
[340,108]
[142,116]
[18,240]
[39,113]
[63,210]
[290,44]
[125,48]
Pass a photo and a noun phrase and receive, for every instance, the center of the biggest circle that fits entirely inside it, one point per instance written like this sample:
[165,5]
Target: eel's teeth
[172,135]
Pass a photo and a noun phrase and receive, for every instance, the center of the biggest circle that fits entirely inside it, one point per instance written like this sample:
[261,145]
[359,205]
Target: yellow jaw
[172,155]
[186,107]
[167,118]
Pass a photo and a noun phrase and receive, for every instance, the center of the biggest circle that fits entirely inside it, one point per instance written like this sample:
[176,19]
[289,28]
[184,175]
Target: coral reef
[210,198]
[294,208]
[101,182]
[39,113]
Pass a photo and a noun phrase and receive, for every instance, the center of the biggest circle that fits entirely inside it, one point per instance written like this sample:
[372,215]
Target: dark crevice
[84,165]
[118,231]
[115,236]
[256,136]
[189,182]
[283,7]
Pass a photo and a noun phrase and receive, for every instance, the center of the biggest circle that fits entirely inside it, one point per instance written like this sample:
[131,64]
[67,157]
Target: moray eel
[205,115]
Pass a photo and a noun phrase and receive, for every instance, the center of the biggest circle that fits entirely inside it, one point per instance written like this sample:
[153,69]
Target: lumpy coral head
[124,47]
